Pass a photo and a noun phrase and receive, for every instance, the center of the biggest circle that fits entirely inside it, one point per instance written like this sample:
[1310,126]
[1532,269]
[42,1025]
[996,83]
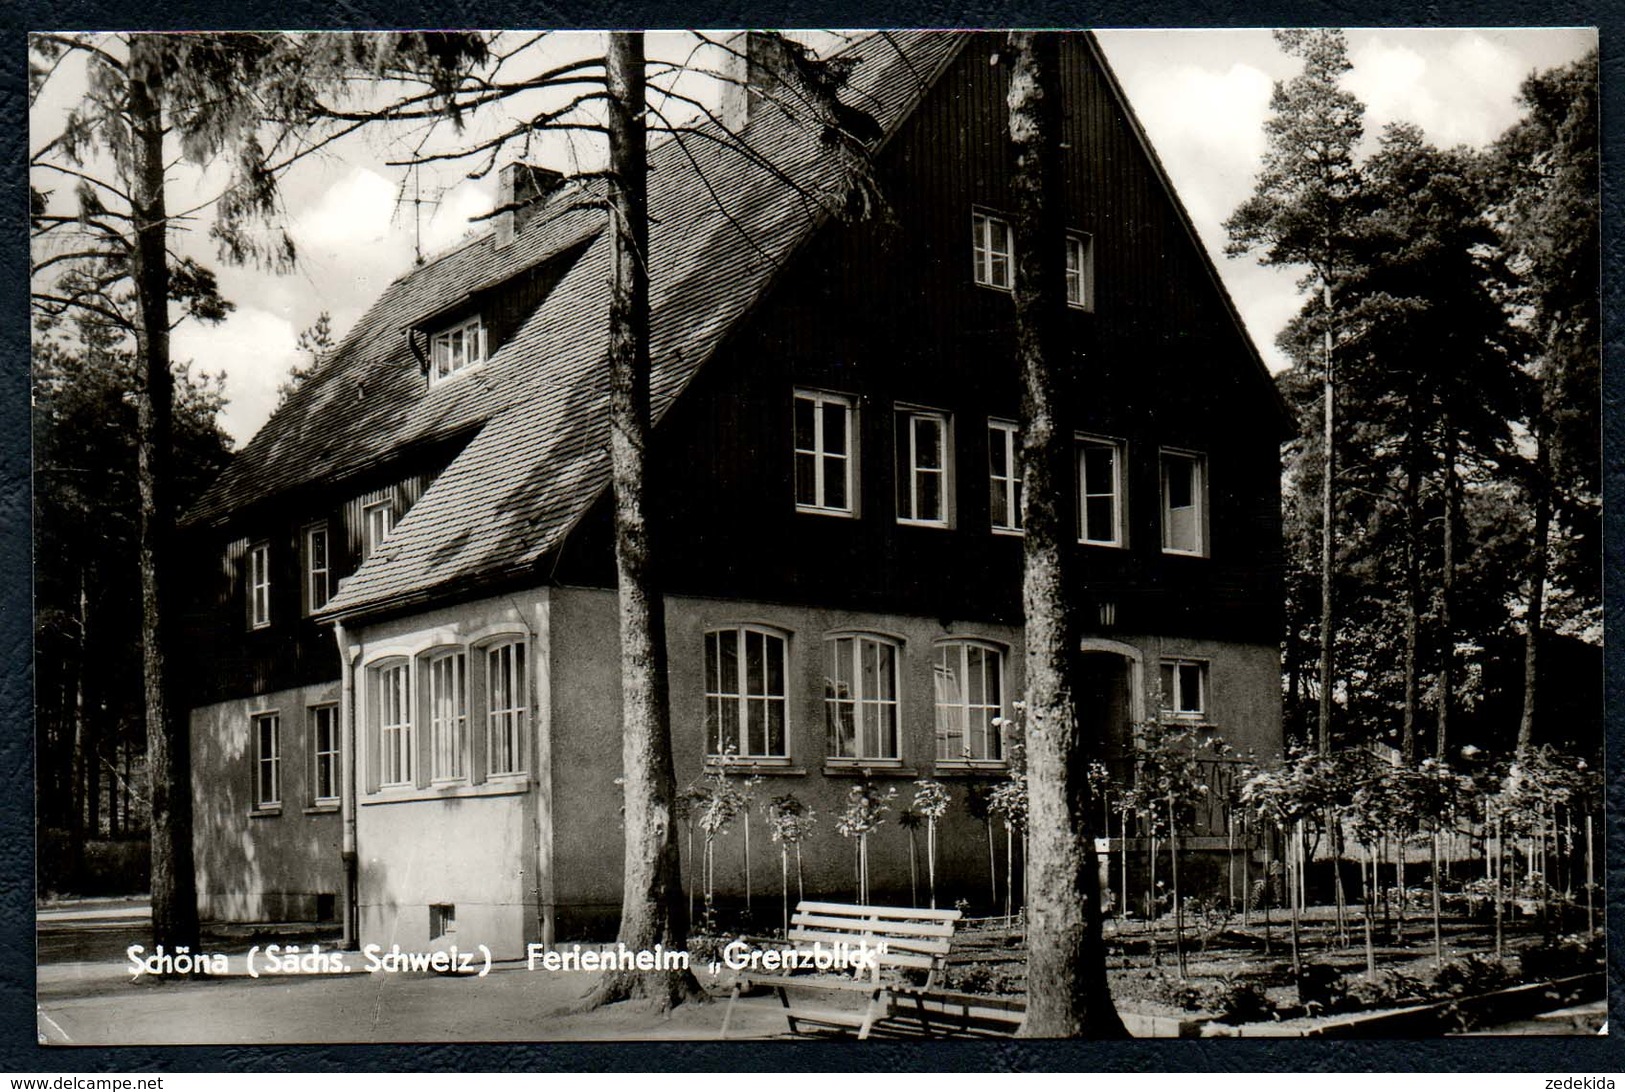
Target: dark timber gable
[888,312]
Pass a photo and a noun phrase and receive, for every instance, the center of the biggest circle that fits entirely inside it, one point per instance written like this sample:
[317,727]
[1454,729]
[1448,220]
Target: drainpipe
[352,914]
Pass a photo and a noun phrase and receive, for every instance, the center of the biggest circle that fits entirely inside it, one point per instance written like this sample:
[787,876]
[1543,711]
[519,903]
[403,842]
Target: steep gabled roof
[542,457]
[367,401]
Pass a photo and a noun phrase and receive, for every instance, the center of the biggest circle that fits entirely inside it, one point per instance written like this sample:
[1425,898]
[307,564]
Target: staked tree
[105,249]
[1067,991]
[1301,214]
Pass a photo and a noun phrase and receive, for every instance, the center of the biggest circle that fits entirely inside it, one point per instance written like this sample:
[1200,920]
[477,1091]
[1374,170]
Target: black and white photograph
[795,535]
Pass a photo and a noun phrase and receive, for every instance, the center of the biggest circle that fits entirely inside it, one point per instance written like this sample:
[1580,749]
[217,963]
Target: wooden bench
[908,946]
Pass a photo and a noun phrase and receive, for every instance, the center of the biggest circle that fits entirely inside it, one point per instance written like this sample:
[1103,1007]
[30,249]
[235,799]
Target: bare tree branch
[68,42]
[63,304]
[73,256]
[92,179]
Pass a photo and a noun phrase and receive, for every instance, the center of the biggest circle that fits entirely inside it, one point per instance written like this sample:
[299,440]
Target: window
[259,585]
[991,251]
[1100,484]
[1184,688]
[505,703]
[823,445]
[1080,270]
[1004,485]
[860,698]
[395,724]
[923,447]
[378,520]
[317,589]
[450,351]
[745,704]
[969,678]
[1184,490]
[448,716]
[268,760]
[442,920]
[324,749]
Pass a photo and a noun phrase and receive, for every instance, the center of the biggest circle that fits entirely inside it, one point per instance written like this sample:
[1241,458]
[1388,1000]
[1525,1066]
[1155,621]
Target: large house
[406,689]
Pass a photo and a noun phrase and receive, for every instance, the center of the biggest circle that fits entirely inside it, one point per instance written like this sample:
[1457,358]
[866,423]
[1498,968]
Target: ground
[86,995]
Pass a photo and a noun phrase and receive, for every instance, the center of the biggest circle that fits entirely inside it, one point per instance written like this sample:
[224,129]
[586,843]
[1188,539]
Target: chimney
[751,76]
[521,190]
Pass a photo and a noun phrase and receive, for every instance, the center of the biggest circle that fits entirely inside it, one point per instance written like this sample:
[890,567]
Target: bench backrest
[916,939]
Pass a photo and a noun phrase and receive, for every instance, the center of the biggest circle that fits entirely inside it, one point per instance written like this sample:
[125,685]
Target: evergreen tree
[1545,174]
[1302,211]
[102,251]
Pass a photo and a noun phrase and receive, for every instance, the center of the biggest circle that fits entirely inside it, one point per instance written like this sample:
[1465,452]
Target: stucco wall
[538,856]
[476,845]
[261,864]
[1244,708]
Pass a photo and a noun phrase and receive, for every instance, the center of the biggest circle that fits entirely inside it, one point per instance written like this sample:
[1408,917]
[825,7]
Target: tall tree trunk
[1541,499]
[1328,531]
[652,907]
[1067,993]
[174,887]
[1447,590]
[1413,575]
[76,758]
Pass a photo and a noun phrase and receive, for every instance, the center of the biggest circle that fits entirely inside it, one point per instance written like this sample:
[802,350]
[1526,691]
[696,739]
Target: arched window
[968,679]
[745,702]
[861,707]
[394,704]
[505,704]
[448,716]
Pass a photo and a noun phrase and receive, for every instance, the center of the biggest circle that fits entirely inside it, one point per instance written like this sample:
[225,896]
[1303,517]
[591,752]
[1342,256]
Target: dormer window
[450,351]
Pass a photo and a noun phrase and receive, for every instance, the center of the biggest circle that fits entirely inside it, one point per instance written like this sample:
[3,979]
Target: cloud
[452,220]
[255,349]
[1461,88]
[357,211]
[1206,122]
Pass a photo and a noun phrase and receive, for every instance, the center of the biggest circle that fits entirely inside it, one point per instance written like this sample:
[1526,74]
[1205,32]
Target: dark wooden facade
[889,313]
[225,656]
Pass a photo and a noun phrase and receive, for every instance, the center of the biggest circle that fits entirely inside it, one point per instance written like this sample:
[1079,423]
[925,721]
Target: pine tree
[1300,214]
[102,251]
[1545,174]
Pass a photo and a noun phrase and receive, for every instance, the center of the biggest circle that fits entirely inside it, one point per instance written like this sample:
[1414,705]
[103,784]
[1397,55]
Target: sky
[1202,96]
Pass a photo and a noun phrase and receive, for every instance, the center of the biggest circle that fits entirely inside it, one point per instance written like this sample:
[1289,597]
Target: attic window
[450,351]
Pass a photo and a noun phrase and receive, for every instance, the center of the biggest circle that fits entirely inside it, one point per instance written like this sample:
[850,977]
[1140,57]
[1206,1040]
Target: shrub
[988,978]
[1561,958]
[1320,987]
[1390,987]
[1169,990]
[1237,1000]
[1470,975]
